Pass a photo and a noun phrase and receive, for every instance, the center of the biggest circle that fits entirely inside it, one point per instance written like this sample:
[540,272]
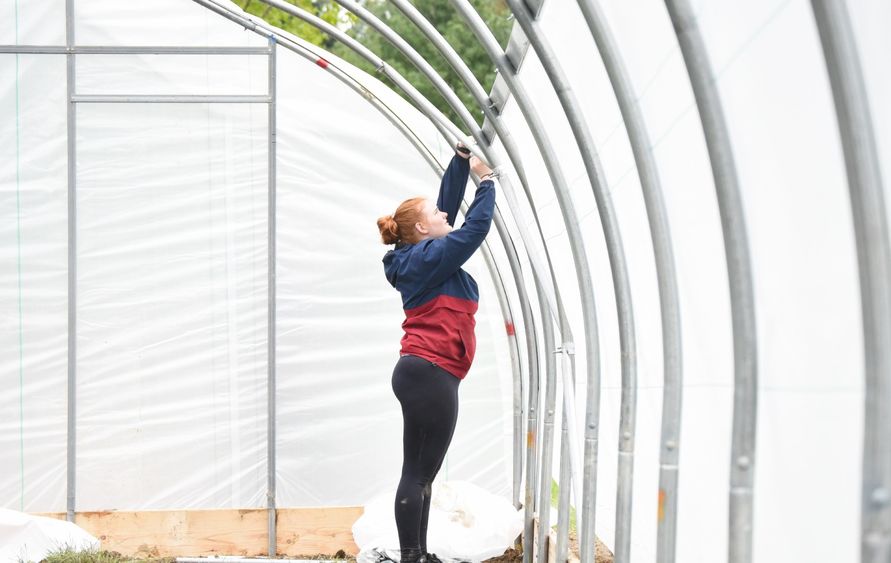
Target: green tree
[325,9]
[440,13]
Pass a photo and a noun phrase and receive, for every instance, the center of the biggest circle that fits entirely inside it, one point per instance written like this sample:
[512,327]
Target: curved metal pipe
[739,272]
[488,107]
[874,261]
[484,143]
[440,121]
[660,233]
[621,287]
[441,86]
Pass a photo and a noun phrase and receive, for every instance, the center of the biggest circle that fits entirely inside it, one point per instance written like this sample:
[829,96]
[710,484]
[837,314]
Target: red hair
[400,226]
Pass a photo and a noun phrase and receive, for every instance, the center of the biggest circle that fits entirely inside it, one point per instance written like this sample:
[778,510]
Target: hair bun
[389,229]
[399,227]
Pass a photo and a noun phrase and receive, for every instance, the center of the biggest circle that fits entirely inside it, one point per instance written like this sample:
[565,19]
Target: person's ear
[421,228]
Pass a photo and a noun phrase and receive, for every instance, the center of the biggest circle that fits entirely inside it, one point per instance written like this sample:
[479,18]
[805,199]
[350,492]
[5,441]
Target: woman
[440,300]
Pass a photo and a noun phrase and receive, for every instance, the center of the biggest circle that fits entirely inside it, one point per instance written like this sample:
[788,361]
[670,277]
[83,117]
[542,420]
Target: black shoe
[432,558]
[413,555]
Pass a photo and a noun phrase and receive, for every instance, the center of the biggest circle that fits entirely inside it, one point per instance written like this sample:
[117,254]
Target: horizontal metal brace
[170,99]
[139,50]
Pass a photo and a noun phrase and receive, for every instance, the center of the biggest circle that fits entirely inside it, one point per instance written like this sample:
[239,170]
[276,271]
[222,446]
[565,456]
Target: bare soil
[602,554]
[510,556]
[514,554]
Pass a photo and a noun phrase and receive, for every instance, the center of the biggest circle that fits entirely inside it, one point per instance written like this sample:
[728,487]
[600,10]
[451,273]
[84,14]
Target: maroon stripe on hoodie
[442,332]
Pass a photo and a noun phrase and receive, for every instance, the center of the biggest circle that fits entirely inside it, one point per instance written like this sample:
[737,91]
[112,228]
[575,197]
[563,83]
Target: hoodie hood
[393,260]
[390,267]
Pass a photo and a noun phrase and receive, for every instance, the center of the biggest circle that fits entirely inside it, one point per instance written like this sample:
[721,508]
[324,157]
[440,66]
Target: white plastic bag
[24,537]
[466,523]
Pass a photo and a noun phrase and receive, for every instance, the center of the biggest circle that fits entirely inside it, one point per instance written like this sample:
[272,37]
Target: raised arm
[453,186]
[444,256]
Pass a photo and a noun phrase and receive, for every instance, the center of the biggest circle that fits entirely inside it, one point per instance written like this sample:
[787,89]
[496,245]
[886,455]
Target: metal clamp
[567,348]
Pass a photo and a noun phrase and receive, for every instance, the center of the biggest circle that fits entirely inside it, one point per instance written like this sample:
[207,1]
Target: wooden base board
[190,533]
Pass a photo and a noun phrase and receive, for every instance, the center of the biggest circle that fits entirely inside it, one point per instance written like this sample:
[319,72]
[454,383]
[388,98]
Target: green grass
[68,555]
[555,493]
[102,556]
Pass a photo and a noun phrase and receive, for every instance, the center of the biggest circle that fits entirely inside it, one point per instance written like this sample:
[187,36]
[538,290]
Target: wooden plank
[166,533]
[190,533]
[311,531]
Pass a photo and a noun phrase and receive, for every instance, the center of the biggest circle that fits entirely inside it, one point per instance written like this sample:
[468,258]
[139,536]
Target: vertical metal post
[531,459]
[739,272]
[271,334]
[565,492]
[71,466]
[547,436]
[874,262]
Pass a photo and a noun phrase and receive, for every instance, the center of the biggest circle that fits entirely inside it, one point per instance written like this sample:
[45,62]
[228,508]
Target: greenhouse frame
[685,302]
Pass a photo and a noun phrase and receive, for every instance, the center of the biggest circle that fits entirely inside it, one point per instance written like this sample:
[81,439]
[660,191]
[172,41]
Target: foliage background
[439,12]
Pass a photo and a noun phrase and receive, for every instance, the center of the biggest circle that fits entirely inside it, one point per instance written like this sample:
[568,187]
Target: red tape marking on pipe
[322,63]
[510,329]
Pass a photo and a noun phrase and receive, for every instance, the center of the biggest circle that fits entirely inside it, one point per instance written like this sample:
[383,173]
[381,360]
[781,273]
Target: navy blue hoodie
[439,298]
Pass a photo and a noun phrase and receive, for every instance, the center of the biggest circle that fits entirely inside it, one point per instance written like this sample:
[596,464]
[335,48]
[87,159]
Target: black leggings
[429,398]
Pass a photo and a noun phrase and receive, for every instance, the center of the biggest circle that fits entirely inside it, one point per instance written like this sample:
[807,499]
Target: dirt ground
[512,555]
[602,553]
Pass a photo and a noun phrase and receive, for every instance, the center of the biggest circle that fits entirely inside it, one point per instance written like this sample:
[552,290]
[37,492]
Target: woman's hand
[462,150]
[479,167]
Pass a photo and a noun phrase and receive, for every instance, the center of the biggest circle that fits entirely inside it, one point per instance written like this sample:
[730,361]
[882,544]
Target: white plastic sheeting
[34,282]
[172,279]
[24,537]
[466,523]
[172,272]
